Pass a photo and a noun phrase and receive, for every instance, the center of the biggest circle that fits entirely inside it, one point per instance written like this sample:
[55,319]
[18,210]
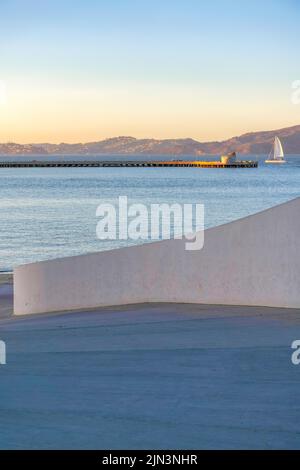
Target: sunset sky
[84,70]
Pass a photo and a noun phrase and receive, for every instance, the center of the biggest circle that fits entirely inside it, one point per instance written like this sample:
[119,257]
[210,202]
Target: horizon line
[152,138]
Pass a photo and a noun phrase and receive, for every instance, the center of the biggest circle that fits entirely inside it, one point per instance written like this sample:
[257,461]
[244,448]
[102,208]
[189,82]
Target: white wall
[252,261]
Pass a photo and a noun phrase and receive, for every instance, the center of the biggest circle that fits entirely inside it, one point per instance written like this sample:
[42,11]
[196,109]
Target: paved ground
[150,376]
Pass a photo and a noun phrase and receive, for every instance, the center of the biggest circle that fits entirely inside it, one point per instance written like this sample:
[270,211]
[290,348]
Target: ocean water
[51,212]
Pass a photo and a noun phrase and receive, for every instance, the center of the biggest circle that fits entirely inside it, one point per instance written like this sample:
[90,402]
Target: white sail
[278,154]
[278,150]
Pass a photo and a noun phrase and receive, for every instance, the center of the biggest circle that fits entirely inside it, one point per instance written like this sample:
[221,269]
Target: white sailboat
[277,155]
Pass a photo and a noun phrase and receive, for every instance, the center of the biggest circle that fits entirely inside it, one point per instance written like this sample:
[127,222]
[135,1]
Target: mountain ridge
[249,143]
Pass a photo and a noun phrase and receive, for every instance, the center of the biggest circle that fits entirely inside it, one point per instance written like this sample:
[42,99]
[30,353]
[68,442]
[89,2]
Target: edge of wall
[251,261]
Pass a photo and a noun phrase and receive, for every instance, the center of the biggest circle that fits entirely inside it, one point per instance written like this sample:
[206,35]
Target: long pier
[126,164]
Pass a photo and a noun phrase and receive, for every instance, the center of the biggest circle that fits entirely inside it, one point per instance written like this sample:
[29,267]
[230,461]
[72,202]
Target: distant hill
[250,143]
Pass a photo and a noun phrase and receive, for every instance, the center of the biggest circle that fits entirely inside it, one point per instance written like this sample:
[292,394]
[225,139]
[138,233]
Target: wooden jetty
[126,164]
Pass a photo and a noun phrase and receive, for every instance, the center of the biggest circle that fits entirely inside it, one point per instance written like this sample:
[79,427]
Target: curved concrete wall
[252,261]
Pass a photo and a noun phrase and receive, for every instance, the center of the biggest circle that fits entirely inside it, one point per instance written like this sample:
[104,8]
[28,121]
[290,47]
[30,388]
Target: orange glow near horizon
[37,115]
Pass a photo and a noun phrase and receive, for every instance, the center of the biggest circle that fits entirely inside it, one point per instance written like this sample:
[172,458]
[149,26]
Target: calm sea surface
[51,212]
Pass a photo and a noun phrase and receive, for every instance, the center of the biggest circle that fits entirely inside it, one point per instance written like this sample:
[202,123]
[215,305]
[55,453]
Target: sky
[85,70]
